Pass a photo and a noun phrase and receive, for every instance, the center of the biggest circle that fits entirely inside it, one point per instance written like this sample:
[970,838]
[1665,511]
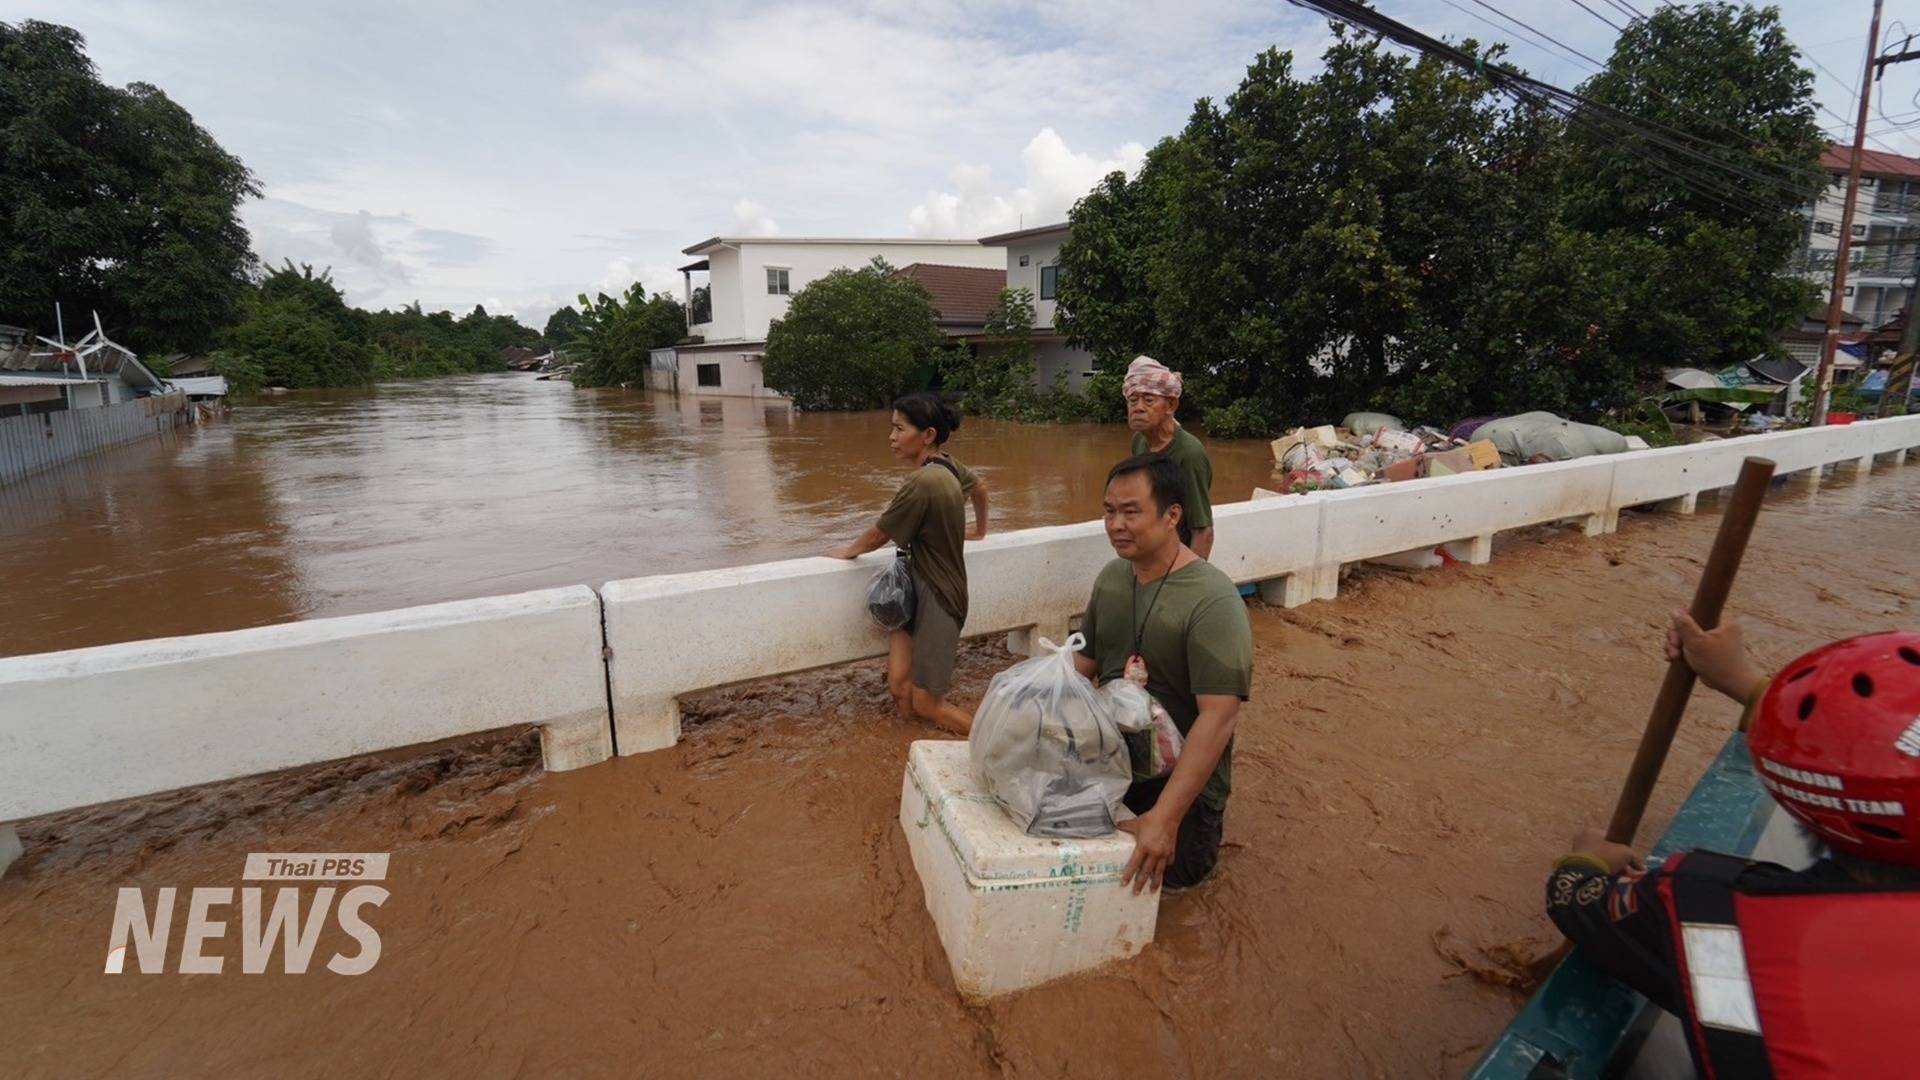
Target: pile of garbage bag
[1372,448]
[1046,746]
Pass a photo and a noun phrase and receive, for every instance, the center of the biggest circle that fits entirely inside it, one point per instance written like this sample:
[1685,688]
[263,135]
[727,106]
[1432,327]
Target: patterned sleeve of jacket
[1619,923]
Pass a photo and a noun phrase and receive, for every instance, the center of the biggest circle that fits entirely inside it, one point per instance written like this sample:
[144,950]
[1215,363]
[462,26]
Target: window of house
[1824,228]
[707,374]
[1049,281]
[1849,292]
[777,282]
[1859,230]
[1024,259]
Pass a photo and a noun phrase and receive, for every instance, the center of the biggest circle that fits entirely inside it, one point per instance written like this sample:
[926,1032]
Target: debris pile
[1373,448]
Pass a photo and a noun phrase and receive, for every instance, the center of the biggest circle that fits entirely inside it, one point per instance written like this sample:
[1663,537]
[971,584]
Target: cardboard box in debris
[1372,448]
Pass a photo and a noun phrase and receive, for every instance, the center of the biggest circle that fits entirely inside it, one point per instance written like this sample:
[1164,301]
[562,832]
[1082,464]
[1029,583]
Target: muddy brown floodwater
[336,502]
[1415,755]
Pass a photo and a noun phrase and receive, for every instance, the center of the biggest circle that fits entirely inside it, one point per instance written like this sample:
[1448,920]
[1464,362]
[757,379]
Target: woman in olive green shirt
[927,520]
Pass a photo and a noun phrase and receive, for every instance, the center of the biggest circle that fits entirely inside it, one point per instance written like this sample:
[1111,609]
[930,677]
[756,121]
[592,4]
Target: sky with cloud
[515,155]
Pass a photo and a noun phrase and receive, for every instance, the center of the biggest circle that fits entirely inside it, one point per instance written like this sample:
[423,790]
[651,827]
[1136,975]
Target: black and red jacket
[1775,973]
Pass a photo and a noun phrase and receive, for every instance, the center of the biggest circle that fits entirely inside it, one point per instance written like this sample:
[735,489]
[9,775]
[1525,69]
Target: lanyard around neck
[1139,624]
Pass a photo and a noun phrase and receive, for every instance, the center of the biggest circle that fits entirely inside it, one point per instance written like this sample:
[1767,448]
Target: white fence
[599,670]
[29,444]
[92,725]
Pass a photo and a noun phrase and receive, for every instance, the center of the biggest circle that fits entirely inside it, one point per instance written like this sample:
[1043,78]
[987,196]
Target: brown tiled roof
[1872,162]
[962,295]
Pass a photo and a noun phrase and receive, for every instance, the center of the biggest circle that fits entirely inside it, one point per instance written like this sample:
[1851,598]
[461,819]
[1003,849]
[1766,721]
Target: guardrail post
[1025,641]
[1479,550]
[576,743]
[10,847]
[1685,504]
[1290,591]
[1861,466]
[1326,581]
[1806,479]
[646,725]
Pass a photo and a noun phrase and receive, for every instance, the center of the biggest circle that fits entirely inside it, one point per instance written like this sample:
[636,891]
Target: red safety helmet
[1836,738]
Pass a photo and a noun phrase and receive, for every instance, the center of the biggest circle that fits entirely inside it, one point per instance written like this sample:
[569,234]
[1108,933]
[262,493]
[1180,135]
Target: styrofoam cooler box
[1013,910]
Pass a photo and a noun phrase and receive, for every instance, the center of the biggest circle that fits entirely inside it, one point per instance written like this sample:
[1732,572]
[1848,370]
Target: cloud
[353,236]
[851,69]
[622,272]
[750,219]
[1055,175]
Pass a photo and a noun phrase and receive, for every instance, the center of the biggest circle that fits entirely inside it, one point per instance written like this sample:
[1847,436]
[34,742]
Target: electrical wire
[1593,116]
[1617,28]
[1806,175]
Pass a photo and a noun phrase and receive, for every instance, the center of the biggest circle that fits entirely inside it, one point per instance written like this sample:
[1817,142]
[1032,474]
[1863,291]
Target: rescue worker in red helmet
[1776,972]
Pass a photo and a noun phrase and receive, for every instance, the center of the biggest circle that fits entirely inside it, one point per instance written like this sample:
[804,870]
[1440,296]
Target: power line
[1617,28]
[1597,64]
[1497,28]
[1574,107]
[1807,175]
[1626,8]
[1592,115]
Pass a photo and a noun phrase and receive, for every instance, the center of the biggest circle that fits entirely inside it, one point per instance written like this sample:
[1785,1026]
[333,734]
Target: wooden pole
[1709,598]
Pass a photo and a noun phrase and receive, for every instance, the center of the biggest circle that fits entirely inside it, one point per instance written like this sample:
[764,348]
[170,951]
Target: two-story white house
[1033,263]
[750,280]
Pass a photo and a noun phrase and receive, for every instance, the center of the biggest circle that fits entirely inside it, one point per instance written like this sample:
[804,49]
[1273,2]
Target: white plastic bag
[890,596]
[1046,747]
[1156,741]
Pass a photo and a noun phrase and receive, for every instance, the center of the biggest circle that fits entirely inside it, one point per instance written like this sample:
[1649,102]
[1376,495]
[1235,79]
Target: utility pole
[1823,383]
[1900,375]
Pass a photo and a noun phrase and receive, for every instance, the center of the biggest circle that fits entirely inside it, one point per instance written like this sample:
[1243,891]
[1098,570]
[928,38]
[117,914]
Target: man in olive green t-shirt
[1153,397]
[1184,618]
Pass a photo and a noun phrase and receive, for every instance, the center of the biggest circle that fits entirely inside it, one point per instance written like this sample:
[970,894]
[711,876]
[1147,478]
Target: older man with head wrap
[1153,396]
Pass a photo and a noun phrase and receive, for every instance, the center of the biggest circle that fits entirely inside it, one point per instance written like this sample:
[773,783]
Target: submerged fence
[30,444]
[600,671]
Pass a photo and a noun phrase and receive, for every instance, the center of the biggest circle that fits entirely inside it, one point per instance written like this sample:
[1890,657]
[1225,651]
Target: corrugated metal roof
[12,378]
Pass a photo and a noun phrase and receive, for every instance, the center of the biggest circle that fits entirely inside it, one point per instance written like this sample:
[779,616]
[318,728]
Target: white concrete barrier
[1896,435]
[122,720]
[676,634]
[93,725]
[1362,523]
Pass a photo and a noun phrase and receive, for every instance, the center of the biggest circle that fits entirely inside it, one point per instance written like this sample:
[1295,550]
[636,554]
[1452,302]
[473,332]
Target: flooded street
[337,502]
[1414,757]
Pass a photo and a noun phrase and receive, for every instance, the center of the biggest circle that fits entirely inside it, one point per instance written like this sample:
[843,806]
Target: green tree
[1395,232]
[617,335]
[1725,81]
[113,200]
[996,376]
[300,332]
[854,339]
[562,326]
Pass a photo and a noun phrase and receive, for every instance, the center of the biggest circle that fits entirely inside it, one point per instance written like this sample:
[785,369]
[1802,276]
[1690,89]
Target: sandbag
[1365,424]
[890,595]
[1046,747]
[1541,436]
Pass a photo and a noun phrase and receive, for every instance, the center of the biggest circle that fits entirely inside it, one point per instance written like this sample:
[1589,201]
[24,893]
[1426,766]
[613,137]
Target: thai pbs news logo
[277,932]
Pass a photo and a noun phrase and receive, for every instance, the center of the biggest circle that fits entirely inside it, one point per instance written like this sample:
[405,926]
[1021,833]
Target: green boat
[1583,1025]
